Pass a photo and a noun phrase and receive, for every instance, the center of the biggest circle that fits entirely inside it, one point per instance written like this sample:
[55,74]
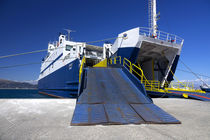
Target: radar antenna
[69,31]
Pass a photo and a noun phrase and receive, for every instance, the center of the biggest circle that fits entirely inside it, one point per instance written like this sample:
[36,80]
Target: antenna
[69,31]
[153,16]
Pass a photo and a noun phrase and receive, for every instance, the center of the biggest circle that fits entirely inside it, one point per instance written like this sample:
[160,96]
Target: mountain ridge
[14,84]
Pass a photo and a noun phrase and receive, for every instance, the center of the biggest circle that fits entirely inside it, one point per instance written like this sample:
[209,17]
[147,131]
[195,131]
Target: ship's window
[60,41]
[74,49]
[68,47]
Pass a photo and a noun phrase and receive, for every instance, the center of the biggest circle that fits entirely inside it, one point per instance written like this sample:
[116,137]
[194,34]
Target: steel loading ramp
[111,96]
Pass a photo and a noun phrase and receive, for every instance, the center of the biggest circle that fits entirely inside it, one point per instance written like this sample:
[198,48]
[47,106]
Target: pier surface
[22,119]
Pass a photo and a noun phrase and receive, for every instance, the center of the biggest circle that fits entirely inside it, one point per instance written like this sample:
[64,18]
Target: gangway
[113,95]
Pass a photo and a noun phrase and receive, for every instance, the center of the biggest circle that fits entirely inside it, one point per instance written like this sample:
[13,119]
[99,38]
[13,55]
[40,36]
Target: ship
[59,74]
[155,51]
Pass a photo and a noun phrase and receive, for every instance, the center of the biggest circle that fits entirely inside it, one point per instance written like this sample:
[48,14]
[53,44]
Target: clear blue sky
[27,25]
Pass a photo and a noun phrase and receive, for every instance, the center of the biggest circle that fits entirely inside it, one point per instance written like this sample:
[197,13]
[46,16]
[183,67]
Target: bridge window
[69,47]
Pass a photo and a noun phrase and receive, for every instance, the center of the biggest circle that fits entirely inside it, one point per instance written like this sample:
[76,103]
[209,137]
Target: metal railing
[160,35]
[184,86]
[81,68]
[138,72]
[153,85]
[150,85]
[115,60]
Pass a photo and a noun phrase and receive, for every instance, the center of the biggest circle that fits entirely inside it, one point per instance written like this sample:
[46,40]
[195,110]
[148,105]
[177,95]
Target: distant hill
[13,84]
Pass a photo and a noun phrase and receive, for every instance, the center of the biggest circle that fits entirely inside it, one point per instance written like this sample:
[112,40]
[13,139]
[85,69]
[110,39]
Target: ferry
[155,51]
[59,75]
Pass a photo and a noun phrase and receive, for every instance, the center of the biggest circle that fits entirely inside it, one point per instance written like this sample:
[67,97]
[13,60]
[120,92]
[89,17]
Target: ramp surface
[110,85]
[110,97]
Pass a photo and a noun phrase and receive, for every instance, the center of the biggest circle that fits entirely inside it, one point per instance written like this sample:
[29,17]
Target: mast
[153,17]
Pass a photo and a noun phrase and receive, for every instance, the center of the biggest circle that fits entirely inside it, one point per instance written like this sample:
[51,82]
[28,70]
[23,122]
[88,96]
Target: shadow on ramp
[115,96]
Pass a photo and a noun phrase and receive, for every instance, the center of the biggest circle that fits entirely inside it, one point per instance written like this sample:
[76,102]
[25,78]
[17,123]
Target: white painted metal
[152,17]
[106,47]
[59,48]
[131,40]
[136,35]
[63,52]
[160,35]
[165,44]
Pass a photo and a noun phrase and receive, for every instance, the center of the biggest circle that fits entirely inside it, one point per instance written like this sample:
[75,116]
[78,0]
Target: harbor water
[21,93]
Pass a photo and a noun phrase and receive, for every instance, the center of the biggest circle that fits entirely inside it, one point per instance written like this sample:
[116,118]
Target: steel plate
[122,114]
[89,114]
[153,114]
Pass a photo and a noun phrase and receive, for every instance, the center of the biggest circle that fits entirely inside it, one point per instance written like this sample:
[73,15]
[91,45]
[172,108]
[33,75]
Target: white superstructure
[60,53]
[64,51]
[157,52]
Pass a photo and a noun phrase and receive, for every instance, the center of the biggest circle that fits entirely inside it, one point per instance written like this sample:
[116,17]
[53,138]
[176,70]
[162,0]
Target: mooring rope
[43,50]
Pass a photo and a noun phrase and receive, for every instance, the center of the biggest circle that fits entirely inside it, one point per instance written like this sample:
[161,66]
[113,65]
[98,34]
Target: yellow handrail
[81,68]
[115,59]
[125,60]
[143,79]
[176,77]
[153,85]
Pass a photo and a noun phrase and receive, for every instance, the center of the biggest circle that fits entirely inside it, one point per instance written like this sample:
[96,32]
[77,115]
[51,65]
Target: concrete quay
[23,119]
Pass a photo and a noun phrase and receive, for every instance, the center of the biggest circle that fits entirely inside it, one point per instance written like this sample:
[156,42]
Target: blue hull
[205,89]
[131,53]
[62,82]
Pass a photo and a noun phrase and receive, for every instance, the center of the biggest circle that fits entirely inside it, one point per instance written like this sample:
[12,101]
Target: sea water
[21,93]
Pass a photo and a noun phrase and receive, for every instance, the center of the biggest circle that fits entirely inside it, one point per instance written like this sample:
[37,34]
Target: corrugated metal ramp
[114,96]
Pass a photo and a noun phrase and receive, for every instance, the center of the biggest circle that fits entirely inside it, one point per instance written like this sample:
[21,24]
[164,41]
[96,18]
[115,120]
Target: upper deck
[161,36]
